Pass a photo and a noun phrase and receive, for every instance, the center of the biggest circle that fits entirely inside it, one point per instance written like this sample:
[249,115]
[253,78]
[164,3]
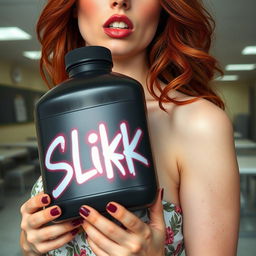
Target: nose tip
[121,4]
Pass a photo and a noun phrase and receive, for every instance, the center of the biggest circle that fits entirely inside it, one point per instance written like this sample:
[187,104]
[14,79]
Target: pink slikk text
[108,156]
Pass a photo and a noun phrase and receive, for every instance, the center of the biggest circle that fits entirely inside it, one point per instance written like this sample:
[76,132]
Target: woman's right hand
[37,236]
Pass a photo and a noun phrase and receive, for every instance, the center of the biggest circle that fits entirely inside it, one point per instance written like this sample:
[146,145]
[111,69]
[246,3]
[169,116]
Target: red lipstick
[115,30]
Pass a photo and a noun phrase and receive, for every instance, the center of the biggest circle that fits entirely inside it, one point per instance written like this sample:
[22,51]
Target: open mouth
[118,26]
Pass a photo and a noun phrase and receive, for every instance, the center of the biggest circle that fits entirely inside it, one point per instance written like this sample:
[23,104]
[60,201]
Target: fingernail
[162,194]
[77,222]
[75,231]
[84,211]
[111,207]
[44,200]
[55,211]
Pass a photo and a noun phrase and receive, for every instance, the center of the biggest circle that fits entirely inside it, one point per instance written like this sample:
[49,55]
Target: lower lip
[117,32]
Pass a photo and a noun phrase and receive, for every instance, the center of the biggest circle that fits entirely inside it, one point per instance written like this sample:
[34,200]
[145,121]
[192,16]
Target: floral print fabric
[173,242]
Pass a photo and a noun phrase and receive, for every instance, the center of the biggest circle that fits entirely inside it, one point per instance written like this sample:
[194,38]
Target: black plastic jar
[93,138]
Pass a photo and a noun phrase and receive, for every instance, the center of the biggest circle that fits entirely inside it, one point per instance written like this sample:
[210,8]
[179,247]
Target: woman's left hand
[108,239]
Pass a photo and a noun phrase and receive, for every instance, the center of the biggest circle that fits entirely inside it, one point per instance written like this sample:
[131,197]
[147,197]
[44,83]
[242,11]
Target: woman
[164,45]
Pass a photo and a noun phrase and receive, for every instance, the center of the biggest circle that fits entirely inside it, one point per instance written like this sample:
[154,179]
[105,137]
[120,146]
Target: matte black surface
[84,103]
[88,58]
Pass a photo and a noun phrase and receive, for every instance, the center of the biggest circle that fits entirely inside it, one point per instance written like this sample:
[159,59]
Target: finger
[100,240]
[128,219]
[50,245]
[57,230]
[107,227]
[156,213]
[44,216]
[97,251]
[35,203]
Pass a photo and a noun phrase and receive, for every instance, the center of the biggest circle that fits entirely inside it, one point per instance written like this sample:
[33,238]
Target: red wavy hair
[178,55]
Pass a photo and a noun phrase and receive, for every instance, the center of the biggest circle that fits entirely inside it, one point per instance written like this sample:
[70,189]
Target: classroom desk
[247,165]
[9,153]
[245,144]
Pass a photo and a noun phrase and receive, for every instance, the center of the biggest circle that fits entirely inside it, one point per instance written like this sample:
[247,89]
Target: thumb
[156,212]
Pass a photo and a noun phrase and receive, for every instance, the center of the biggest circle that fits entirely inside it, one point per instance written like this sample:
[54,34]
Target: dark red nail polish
[111,207]
[84,211]
[74,232]
[44,200]
[77,222]
[55,211]
[162,194]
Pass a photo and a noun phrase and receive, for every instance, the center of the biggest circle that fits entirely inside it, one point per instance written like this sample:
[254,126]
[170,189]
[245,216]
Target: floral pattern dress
[173,242]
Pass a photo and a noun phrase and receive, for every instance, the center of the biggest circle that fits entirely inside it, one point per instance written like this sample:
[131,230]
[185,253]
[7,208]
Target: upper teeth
[117,24]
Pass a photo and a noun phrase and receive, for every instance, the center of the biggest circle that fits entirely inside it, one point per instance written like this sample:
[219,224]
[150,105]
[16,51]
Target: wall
[30,79]
[235,96]
[252,129]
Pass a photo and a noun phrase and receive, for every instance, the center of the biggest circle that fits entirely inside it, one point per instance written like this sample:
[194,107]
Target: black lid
[87,54]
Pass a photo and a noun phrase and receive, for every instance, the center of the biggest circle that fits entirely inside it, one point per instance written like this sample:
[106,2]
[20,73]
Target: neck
[135,67]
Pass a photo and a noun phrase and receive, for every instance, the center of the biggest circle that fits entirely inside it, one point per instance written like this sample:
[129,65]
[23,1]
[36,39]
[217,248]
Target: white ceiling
[235,29]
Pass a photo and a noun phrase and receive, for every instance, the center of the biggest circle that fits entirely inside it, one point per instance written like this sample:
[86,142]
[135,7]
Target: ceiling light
[33,55]
[227,78]
[236,67]
[249,50]
[13,33]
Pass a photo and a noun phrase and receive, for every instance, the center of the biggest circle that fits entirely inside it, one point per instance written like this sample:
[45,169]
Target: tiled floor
[10,228]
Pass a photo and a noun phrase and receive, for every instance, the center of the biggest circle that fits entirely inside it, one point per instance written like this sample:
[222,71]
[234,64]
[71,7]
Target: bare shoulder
[201,118]
[204,135]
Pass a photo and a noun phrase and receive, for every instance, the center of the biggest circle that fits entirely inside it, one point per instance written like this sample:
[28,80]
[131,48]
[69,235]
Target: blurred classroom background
[21,85]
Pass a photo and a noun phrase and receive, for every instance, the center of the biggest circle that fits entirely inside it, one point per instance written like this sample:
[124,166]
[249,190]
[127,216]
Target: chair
[241,125]
[19,173]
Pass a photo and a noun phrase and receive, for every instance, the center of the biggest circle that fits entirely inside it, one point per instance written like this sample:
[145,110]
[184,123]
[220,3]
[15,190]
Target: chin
[125,53]
[120,49]
[117,48]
